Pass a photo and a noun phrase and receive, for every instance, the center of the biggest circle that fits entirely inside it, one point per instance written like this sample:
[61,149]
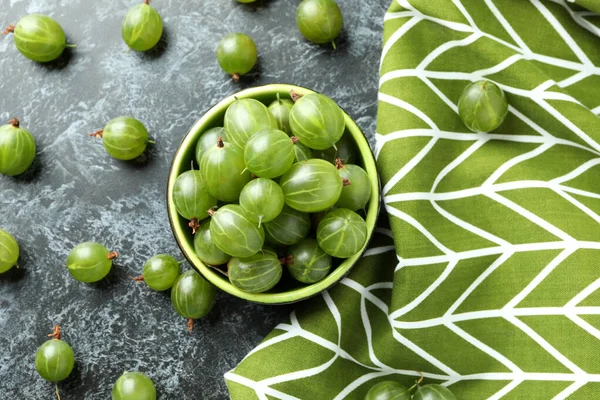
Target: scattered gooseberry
[90,262]
[192,296]
[233,233]
[133,386]
[317,121]
[9,251]
[261,200]
[160,272]
[388,390]
[244,118]
[319,21]
[17,149]
[342,233]
[237,54]
[257,273]
[356,190]
[482,106]
[205,247]
[269,153]
[191,197]
[224,172]
[142,27]
[124,138]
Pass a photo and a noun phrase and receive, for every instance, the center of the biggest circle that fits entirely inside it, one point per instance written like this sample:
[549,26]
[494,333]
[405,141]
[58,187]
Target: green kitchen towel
[488,277]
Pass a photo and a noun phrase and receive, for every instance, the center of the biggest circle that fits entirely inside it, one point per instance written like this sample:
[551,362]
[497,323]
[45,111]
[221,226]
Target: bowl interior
[288,290]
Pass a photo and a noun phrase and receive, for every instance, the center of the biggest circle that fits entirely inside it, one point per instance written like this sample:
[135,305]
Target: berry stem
[181,262]
[219,270]
[112,255]
[56,389]
[147,2]
[260,217]
[97,134]
[289,260]
[417,383]
[212,211]
[220,143]
[194,224]
[339,164]
[137,278]
[192,164]
[190,324]
[346,182]
[243,171]
[151,142]
[333,44]
[55,333]
[235,77]
[295,95]
[10,29]
[14,122]
[71,46]
[294,139]
[278,98]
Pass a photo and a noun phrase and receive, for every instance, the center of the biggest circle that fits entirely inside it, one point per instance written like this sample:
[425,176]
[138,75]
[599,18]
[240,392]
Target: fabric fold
[487,277]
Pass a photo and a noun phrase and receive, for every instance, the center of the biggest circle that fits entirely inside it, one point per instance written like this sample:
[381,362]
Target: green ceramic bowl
[288,290]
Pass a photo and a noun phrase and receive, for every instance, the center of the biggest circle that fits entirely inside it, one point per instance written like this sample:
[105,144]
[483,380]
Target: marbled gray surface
[75,192]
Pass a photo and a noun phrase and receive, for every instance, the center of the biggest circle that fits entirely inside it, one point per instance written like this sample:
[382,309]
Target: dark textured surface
[75,192]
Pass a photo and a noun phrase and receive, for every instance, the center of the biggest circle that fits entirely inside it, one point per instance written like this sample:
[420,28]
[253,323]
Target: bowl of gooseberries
[273,194]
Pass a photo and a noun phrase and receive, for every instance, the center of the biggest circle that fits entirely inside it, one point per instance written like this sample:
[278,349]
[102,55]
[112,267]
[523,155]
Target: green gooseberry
[317,121]
[9,251]
[482,106]
[269,153]
[311,186]
[345,148]
[17,149]
[205,247]
[191,197]
[124,138]
[39,37]
[160,272]
[301,152]
[224,172]
[192,296]
[233,233]
[319,21]
[133,386]
[257,273]
[90,262]
[54,359]
[342,233]
[356,191]
[237,54]
[142,27]
[307,262]
[288,228]
[261,200]
[388,390]
[244,118]
[433,391]
[208,140]
[281,109]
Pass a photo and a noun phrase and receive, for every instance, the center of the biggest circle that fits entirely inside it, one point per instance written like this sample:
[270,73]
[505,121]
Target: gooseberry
[317,121]
[482,106]
[236,54]
[345,148]
[311,186]
[244,118]
[301,152]
[90,262]
[39,37]
[261,200]
[307,263]
[223,171]
[288,228]
[205,247]
[192,296]
[280,109]
[433,391]
[9,251]
[233,233]
[54,359]
[319,21]
[124,138]
[255,274]
[208,140]
[160,272]
[142,27]
[342,233]
[269,153]
[388,390]
[191,197]
[17,149]
[133,386]
[356,190]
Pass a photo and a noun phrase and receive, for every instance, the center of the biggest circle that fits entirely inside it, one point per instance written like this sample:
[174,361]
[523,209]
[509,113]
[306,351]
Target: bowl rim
[210,273]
